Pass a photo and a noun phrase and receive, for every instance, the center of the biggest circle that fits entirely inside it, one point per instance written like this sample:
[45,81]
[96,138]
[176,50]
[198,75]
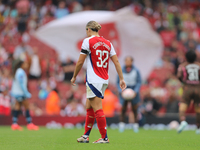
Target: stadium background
[177,23]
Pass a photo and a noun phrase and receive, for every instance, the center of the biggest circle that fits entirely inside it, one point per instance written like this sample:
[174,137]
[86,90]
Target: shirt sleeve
[112,52]
[85,49]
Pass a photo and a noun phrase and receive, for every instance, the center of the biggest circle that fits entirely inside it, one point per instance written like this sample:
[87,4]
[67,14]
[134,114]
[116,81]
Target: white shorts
[95,89]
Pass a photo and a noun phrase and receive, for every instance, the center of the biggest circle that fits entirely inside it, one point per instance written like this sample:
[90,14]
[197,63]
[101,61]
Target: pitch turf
[65,139]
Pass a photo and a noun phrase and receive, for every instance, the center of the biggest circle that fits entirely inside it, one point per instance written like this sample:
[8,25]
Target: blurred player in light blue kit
[20,92]
[133,80]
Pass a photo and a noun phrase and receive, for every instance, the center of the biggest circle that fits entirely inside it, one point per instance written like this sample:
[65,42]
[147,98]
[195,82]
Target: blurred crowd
[177,22]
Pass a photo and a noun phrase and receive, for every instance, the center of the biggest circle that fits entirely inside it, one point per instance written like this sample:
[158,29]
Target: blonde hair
[93,25]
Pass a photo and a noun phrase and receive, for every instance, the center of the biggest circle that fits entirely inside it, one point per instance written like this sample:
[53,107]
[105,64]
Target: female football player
[20,92]
[97,51]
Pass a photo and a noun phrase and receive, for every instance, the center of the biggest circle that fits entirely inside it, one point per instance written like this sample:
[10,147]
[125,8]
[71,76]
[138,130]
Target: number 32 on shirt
[102,57]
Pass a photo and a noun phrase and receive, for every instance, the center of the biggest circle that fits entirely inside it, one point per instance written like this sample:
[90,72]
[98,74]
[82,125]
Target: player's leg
[197,110]
[96,104]
[16,112]
[94,90]
[25,103]
[30,125]
[90,118]
[135,124]
[182,109]
[188,93]
[122,115]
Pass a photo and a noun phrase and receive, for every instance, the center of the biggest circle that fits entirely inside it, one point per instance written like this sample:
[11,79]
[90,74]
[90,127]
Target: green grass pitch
[65,139]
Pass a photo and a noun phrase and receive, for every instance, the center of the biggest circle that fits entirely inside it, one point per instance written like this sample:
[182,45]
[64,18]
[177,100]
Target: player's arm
[78,67]
[118,85]
[20,77]
[119,71]
[179,73]
[85,50]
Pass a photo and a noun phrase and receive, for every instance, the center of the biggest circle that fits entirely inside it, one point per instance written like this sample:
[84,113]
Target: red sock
[90,118]
[101,123]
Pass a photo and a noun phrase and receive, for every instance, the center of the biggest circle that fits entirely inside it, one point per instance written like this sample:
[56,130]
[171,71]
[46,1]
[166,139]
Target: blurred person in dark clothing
[23,16]
[150,105]
[177,60]
[177,24]
[68,68]
[189,75]
[191,43]
[172,105]
[22,21]
[161,24]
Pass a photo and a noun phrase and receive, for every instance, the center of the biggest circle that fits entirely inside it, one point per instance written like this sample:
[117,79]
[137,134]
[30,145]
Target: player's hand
[122,84]
[73,81]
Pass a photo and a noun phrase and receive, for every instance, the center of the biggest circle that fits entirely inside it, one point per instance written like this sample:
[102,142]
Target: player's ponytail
[94,26]
[97,27]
